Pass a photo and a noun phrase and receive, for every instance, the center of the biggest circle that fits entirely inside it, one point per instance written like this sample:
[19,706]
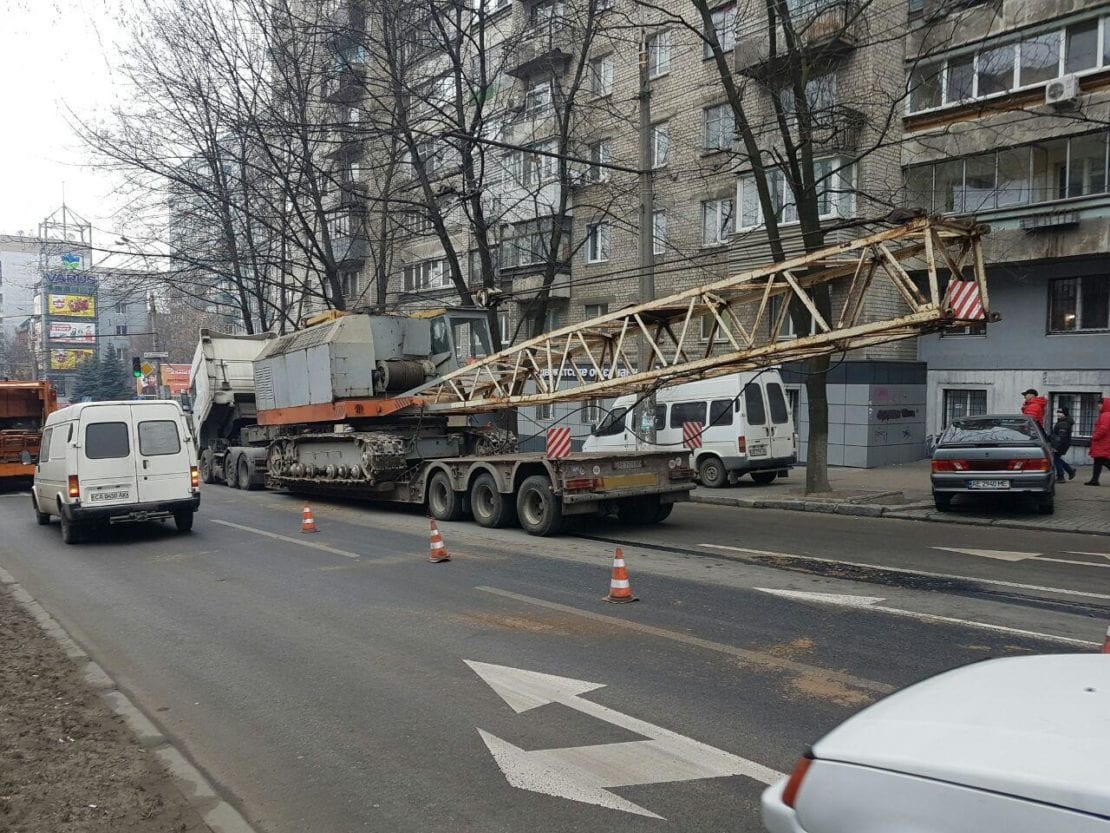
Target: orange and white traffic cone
[1106,642]
[307,522]
[619,588]
[439,549]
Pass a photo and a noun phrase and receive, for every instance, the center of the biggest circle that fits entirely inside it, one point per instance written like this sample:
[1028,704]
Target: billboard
[72,332]
[68,359]
[71,306]
[176,378]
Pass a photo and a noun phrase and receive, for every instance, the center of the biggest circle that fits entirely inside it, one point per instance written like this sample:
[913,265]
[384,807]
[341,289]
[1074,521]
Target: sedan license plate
[119,494]
[988,484]
[628,464]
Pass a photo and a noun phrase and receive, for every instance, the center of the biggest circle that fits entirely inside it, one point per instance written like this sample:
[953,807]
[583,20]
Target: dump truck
[24,407]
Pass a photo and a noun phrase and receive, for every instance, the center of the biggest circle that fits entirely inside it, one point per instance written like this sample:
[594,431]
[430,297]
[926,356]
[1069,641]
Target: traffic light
[136,367]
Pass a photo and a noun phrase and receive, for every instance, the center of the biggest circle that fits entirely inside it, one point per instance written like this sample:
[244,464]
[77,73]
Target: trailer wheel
[444,503]
[490,508]
[540,510]
[231,475]
[245,476]
[207,475]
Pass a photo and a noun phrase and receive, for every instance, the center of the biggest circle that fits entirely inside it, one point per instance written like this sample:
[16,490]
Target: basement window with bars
[961,402]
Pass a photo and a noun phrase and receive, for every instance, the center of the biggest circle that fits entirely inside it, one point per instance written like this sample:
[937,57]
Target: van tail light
[790,792]
[74,486]
[742,445]
[194,477]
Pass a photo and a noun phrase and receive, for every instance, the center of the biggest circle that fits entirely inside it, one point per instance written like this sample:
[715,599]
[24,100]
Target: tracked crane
[379,405]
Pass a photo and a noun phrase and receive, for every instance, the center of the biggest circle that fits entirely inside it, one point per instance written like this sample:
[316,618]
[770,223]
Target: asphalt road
[322,681]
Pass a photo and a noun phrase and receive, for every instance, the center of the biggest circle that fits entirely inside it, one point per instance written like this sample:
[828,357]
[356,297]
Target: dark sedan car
[994,454]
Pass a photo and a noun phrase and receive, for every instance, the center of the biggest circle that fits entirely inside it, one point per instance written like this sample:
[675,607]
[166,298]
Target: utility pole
[646,417]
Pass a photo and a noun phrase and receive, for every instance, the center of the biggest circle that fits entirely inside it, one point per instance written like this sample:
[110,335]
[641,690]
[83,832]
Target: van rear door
[105,466]
[161,454]
[757,432]
[782,423]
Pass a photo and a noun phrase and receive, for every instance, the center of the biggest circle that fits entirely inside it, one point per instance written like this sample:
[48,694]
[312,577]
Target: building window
[528,244]
[121,307]
[531,168]
[504,326]
[820,95]
[660,144]
[724,27]
[961,403]
[1078,305]
[121,329]
[659,54]
[428,274]
[788,331]
[601,75]
[709,321]
[591,412]
[593,311]
[349,282]
[545,411]
[546,12]
[538,100]
[597,242]
[720,127]
[601,153]
[1083,407]
[659,231]
[833,179]
[716,221]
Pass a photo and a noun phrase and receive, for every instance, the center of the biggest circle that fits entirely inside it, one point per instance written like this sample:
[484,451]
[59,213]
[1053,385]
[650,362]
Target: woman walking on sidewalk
[1061,442]
[1100,442]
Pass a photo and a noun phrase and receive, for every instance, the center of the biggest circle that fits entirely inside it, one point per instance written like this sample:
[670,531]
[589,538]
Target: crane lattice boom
[746,315]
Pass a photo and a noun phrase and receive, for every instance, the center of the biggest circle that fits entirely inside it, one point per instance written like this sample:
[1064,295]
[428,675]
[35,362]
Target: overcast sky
[53,55]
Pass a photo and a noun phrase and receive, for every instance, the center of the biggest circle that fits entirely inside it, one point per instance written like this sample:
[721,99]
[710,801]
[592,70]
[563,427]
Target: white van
[116,462]
[748,426]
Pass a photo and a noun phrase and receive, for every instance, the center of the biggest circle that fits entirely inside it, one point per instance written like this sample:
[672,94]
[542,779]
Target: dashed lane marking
[301,542]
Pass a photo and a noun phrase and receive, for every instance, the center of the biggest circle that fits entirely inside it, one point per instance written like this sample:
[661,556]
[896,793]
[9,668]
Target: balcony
[346,85]
[838,128]
[826,30]
[542,50]
[347,26]
[350,248]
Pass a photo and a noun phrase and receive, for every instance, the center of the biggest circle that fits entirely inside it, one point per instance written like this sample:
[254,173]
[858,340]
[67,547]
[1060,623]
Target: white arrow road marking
[582,773]
[1001,555]
[1081,552]
[872,603]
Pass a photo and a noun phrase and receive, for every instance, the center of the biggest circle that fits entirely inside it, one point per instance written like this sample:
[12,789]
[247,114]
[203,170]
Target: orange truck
[24,407]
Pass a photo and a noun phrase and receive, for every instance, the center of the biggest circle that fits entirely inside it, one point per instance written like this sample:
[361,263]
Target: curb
[902,512]
[194,786]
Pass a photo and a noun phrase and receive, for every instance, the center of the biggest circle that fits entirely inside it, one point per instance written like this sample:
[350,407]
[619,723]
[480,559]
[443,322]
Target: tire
[663,513]
[538,508]
[711,472]
[207,474]
[942,502]
[183,520]
[639,511]
[41,518]
[71,533]
[489,507]
[444,503]
[1046,504]
[231,474]
[244,477]
[764,478]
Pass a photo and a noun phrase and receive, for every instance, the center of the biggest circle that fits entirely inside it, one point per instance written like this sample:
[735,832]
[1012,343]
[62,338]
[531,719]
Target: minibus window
[106,440]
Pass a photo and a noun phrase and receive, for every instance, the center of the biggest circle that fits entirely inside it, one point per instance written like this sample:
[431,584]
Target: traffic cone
[619,589]
[1106,642]
[307,523]
[439,549]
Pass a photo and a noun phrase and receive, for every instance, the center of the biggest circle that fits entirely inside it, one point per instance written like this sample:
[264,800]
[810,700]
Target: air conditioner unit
[1062,92]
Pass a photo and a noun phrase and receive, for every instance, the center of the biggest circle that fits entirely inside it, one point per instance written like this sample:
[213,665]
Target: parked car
[748,427]
[994,454]
[1015,745]
[116,462]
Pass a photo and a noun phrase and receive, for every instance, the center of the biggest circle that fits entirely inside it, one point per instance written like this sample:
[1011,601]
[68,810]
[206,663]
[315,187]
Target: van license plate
[988,484]
[757,450]
[116,495]
[628,464]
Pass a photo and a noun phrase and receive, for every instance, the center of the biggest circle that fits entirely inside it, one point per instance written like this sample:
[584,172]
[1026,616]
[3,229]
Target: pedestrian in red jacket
[1100,442]
[1035,406]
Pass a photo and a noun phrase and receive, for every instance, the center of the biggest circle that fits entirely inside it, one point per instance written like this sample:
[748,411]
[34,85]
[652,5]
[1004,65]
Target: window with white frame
[601,75]
[505,330]
[546,12]
[597,242]
[601,153]
[820,95]
[527,243]
[716,221]
[121,329]
[534,168]
[1007,65]
[349,282]
[720,127]
[788,331]
[492,6]
[545,411]
[659,231]
[591,412]
[709,321]
[724,27]
[833,180]
[1083,408]
[538,99]
[659,54]
[1077,305]
[961,402]
[427,274]
[660,143]
[592,311]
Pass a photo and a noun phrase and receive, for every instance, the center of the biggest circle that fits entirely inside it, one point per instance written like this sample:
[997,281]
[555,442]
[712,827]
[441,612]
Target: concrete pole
[644,420]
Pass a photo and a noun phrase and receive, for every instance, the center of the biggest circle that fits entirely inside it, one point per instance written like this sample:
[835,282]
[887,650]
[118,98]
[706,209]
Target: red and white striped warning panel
[691,434]
[558,443]
[963,298]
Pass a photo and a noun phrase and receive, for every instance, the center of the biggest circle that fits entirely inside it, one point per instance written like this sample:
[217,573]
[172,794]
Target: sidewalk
[903,492]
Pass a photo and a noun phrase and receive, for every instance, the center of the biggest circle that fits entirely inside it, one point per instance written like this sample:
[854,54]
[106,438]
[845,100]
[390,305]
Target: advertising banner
[68,359]
[71,306]
[72,332]
[176,378]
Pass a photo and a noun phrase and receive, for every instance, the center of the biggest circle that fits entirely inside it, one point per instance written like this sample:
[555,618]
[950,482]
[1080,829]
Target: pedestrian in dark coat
[1100,442]
[1060,440]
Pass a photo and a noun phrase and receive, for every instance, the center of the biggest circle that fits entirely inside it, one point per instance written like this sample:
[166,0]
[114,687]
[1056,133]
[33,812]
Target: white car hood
[1035,727]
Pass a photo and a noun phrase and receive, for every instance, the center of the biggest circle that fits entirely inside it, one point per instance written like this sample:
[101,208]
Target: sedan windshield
[995,431]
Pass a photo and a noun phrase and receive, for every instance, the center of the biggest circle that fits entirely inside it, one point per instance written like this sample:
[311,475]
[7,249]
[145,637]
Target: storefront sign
[72,332]
[68,359]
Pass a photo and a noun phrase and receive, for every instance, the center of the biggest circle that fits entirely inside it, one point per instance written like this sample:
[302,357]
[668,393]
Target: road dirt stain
[553,624]
[793,649]
[822,688]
